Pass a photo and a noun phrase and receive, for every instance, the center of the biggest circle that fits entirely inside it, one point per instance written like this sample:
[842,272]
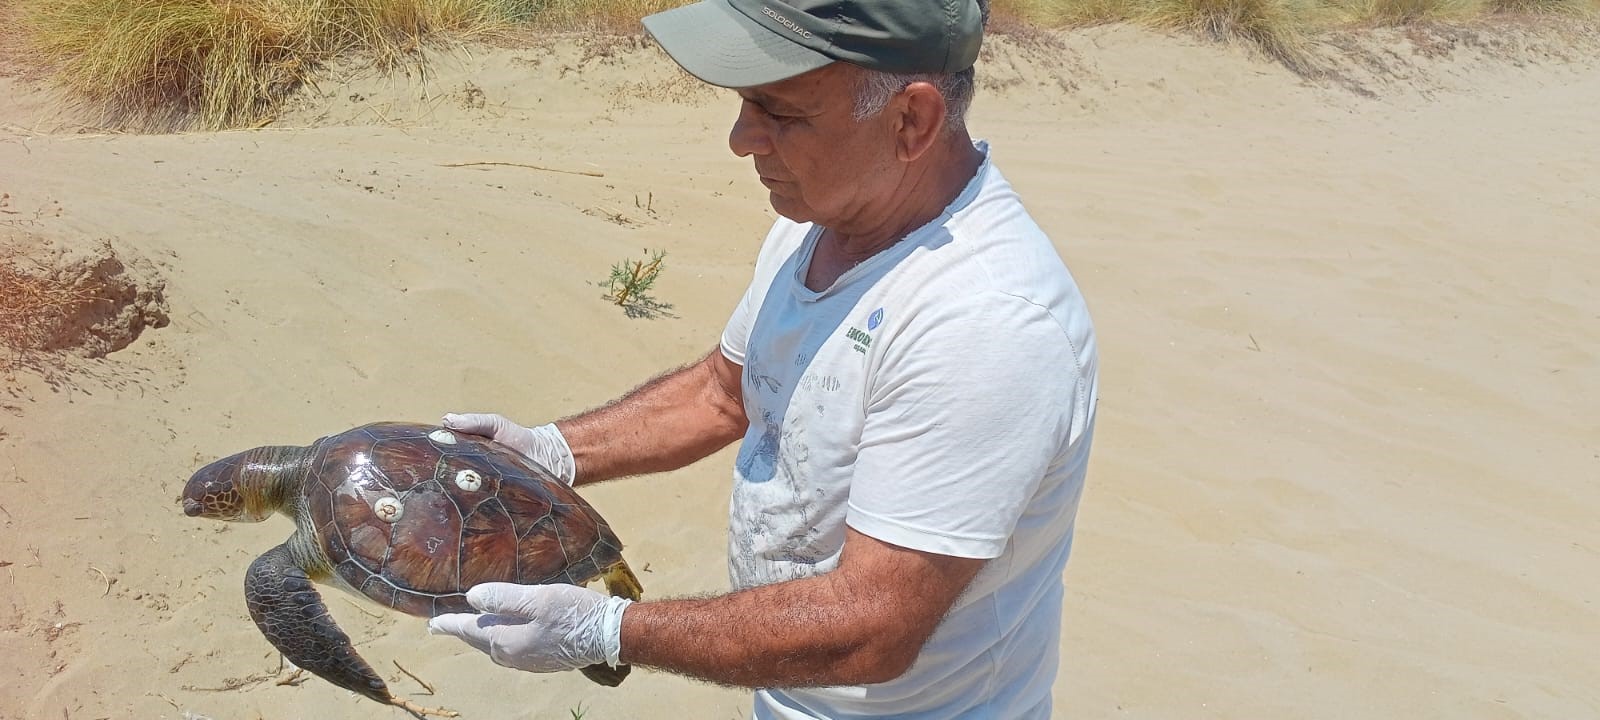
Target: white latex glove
[539,628]
[543,444]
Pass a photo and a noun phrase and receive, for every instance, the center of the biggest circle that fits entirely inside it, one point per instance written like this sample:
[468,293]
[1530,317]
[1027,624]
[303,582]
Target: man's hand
[544,445]
[539,628]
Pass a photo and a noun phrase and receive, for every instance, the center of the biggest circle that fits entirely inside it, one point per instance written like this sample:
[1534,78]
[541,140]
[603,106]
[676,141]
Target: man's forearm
[810,632]
[664,424]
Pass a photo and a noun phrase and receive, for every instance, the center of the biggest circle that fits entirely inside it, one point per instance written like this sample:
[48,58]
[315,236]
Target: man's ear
[922,111]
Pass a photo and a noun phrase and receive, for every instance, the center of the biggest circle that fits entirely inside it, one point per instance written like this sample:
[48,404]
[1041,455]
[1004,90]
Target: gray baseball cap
[743,43]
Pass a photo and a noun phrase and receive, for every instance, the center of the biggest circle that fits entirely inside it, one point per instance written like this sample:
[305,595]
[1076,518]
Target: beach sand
[1348,458]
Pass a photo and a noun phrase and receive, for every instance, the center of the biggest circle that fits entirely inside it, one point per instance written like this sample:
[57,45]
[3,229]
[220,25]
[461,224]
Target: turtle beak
[191,507]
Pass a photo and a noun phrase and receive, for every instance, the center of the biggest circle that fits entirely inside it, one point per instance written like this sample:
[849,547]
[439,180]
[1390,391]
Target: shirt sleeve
[736,334]
[971,404]
[781,240]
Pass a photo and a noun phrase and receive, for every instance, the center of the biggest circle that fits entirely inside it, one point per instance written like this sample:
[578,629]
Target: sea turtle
[410,516]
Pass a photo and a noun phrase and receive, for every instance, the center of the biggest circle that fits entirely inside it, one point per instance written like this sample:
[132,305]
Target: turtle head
[246,487]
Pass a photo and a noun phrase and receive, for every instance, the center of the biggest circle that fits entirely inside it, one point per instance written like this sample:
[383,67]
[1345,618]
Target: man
[912,371]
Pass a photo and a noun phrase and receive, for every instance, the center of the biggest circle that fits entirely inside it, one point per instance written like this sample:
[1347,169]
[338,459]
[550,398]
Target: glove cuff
[611,629]
[555,451]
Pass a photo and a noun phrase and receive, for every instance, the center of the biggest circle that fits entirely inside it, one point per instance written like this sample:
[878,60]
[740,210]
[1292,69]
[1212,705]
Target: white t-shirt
[939,396]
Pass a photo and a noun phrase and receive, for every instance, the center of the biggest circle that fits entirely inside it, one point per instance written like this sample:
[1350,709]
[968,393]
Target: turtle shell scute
[395,431]
[378,590]
[488,536]
[404,463]
[489,475]
[424,552]
[519,525]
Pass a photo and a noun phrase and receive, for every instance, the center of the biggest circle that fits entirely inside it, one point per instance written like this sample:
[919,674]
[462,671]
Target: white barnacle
[469,480]
[388,509]
[443,437]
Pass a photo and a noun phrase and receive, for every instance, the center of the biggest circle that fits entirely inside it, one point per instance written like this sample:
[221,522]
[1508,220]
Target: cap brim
[718,44]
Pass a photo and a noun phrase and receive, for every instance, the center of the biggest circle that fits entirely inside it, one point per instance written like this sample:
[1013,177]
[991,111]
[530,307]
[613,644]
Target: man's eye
[779,116]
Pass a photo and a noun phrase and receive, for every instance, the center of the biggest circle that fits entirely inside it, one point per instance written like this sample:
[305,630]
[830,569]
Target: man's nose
[749,135]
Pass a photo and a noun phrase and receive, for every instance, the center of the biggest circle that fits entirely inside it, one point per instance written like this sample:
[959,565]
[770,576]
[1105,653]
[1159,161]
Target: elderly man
[912,372]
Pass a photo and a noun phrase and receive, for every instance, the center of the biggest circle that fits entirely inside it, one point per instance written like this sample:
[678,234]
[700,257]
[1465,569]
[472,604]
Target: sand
[1348,460]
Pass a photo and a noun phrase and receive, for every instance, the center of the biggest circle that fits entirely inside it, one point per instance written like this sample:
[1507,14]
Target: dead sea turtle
[411,516]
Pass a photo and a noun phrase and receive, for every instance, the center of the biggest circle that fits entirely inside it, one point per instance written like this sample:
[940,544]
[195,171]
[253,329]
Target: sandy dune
[1348,463]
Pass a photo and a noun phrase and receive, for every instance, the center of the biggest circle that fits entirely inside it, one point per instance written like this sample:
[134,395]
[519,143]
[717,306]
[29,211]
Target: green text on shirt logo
[861,339]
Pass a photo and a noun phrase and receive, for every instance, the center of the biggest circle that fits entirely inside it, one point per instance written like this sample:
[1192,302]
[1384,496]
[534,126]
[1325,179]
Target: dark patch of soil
[86,301]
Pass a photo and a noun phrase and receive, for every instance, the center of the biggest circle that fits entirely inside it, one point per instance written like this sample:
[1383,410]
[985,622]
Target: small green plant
[577,712]
[630,283]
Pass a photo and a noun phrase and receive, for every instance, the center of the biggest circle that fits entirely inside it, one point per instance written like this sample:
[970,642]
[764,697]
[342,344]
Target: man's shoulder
[991,264]
[994,248]
[783,238]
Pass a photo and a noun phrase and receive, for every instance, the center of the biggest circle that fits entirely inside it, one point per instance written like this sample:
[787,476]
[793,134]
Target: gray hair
[875,89]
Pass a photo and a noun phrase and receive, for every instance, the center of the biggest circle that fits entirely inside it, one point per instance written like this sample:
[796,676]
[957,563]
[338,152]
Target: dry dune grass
[1280,28]
[179,64]
[1402,12]
[1274,26]
[1060,13]
[620,16]
[169,64]
[11,42]
[1405,12]
[1578,8]
[1307,16]
[1277,27]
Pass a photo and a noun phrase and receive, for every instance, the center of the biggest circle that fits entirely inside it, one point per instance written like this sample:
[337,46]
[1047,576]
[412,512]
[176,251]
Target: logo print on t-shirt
[874,319]
[861,339]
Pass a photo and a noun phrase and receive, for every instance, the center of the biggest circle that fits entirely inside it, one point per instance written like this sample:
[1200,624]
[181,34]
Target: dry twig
[107,579]
[363,610]
[187,658]
[584,173]
[413,676]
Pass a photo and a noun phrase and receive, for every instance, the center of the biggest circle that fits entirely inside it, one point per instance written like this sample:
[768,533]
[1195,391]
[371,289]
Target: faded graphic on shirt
[791,479]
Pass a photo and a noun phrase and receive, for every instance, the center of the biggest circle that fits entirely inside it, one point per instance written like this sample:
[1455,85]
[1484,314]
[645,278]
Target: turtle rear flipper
[621,582]
[290,613]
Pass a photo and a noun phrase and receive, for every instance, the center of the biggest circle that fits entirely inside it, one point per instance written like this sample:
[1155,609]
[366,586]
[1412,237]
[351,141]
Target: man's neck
[927,189]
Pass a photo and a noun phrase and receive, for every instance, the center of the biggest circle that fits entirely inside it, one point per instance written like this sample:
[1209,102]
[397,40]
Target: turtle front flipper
[289,611]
